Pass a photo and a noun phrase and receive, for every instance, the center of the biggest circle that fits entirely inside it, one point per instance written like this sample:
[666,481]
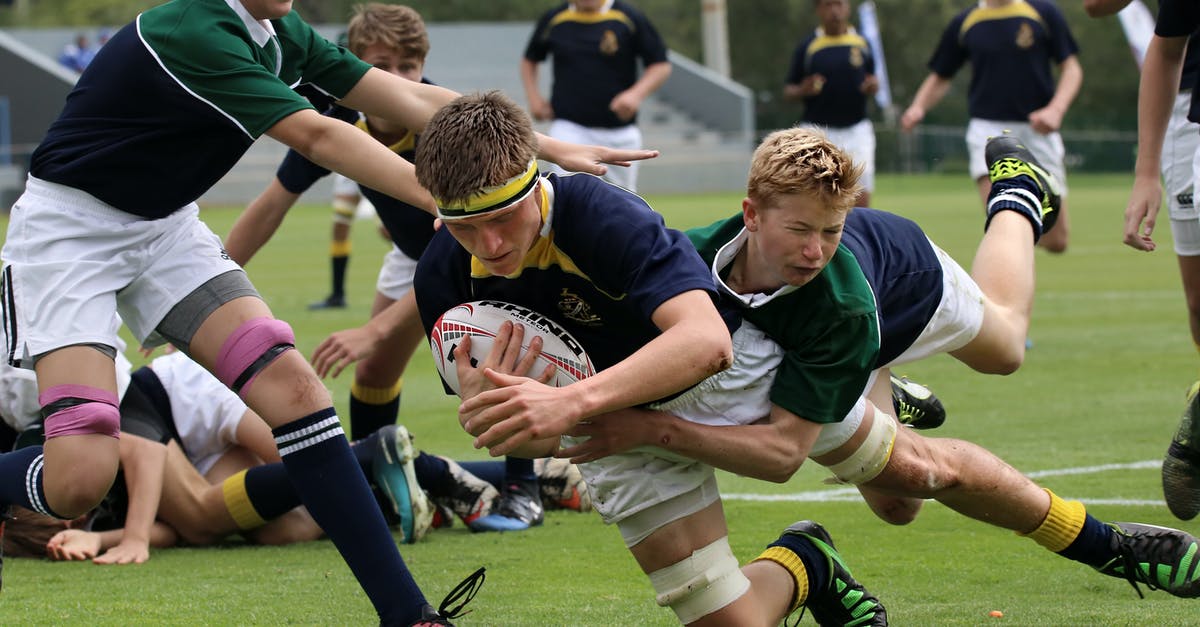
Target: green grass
[1103,384]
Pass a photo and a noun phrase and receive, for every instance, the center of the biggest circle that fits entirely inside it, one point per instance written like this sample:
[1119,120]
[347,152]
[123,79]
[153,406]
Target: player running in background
[1167,142]
[108,222]
[833,73]
[597,90]
[789,261]
[1010,45]
[598,261]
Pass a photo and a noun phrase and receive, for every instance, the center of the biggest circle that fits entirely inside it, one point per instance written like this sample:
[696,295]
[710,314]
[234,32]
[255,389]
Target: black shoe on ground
[333,301]
[518,508]
[845,601]
[1181,465]
[445,613]
[1161,558]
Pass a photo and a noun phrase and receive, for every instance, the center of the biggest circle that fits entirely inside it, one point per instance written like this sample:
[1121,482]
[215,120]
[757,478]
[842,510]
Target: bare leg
[79,469]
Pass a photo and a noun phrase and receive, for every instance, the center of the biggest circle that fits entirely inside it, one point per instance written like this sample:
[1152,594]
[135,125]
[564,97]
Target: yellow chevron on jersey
[404,144]
[849,40]
[611,15]
[1019,8]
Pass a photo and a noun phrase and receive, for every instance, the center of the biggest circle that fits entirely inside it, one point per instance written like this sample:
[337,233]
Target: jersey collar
[725,257]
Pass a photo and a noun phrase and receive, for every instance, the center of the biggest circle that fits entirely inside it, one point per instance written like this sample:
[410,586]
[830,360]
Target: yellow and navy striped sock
[372,408]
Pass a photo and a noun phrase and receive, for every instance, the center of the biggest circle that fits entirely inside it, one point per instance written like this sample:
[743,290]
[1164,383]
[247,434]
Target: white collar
[261,31]
[725,256]
[548,211]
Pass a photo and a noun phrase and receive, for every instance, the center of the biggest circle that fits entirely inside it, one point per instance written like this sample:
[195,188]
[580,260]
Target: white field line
[851,494]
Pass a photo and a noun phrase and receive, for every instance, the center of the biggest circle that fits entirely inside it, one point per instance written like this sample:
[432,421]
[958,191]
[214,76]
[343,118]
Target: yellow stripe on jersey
[581,17]
[1020,8]
[851,40]
[404,144]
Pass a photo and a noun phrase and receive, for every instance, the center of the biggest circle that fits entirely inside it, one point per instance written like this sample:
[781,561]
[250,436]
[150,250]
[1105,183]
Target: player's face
[393,61]
[501,240]
[588,6]
[792,239]
[267,9]
[833,14]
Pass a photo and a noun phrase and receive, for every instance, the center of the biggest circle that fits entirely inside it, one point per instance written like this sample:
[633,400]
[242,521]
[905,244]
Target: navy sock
[815,562]
[491,472]
[270,490]
[519,469]
[21,480]
[1093,545]
[433,474]
[339,264]
[367,418]
[1020,194]
[364,452]
[329,481]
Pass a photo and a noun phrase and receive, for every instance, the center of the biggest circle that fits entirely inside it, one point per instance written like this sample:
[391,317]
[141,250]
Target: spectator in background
[76,55]
[833,73]
[596,91]
[1010,45]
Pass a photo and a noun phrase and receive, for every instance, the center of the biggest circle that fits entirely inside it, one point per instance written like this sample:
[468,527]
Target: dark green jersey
[828,328]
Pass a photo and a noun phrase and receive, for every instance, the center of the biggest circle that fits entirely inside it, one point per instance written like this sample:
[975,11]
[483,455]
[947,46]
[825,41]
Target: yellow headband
[491,199]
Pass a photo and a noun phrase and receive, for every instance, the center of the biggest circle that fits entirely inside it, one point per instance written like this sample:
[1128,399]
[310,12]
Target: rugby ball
[481,321]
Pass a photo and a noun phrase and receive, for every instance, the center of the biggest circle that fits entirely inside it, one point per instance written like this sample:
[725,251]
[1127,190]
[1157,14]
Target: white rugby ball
[481,320]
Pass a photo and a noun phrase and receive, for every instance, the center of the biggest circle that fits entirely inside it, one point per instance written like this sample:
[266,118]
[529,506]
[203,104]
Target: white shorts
[859,141]
[1179,151]
[396,274]
[624,137]
[958,318]
[344,186]
[206,413]
[647,487]
[1048,149]
[71,261]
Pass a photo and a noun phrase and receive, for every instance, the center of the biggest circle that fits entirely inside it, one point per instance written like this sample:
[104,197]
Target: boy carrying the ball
[596,259]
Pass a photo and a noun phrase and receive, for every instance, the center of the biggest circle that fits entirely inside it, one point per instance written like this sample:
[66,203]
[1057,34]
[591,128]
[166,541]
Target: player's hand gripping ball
[481,320]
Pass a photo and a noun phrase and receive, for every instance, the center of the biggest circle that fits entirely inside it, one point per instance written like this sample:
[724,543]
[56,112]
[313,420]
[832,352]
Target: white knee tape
[872,456]
[701,584]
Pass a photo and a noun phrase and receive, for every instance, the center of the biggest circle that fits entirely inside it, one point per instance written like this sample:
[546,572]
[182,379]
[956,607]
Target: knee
[81,494]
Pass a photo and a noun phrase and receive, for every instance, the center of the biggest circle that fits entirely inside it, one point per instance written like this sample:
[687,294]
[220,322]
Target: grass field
[1089,415]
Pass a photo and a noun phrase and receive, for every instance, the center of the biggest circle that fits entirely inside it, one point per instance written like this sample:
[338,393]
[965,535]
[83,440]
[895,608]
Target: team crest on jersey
[1025,36]
[856,57]
[609,44]
[575,309]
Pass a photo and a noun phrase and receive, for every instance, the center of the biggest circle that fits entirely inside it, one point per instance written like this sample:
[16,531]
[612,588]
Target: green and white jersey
[174,99]
[828,328]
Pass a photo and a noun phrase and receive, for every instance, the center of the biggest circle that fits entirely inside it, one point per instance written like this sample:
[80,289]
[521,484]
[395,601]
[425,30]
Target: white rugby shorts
[396,274]
[1048,149]
[72,261]
[206,413]
[624,137]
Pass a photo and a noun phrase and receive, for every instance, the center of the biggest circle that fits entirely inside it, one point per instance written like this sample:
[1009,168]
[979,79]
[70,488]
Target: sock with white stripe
[1020,194]
[21,480]
[334,489]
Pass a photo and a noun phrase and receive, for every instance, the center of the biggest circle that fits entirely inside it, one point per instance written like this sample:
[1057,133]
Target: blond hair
[803,161]
[392,25]
[475,142]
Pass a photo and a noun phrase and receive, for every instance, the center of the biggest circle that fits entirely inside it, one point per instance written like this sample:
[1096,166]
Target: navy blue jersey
[845,61]
[174,99]
[1010,49]
[1178,18]
[595,58]
[410,227]
[904,272]
[604,262]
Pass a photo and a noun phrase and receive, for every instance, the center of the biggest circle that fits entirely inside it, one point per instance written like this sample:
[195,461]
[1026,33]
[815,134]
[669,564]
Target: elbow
[783,469]
[720,357]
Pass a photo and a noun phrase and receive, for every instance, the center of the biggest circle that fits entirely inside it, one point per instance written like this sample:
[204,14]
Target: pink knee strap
[250,348]
[98,415]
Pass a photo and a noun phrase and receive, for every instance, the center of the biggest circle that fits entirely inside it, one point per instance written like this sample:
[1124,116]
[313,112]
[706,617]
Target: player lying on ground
[794,250]
[636,296]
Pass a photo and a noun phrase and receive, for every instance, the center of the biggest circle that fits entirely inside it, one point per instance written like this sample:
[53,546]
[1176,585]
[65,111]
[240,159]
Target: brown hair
[27,532]
[803,161]
[474,142]
[393,25]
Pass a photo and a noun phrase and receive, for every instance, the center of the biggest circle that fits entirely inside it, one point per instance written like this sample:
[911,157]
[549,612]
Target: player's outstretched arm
[255,226]
[772,449]
[1156,96]
[343,348]
[342,148]
[586,157]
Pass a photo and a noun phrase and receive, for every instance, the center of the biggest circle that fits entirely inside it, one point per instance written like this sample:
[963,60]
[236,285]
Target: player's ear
[750,214]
